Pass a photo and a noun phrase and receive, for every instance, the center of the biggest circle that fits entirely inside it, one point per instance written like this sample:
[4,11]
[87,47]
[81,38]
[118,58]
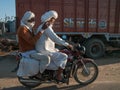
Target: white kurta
[46,45]
[30,66]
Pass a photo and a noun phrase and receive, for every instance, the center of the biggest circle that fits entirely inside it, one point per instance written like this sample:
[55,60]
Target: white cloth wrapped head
[28,16]
[48,15]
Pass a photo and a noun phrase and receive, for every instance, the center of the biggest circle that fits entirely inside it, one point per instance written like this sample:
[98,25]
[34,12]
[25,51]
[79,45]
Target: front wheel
[87,73]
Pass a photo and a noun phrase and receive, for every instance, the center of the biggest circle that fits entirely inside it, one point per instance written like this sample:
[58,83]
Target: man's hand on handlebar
[70,47]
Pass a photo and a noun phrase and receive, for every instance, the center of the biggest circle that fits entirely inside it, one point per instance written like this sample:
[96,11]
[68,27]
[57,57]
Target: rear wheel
[31,83]
[87,73]
[95,48]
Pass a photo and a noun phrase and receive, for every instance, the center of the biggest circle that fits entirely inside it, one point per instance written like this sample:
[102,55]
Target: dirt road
[108,79]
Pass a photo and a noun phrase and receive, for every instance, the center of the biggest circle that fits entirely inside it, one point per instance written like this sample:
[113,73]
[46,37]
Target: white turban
[48,15]
[27,16]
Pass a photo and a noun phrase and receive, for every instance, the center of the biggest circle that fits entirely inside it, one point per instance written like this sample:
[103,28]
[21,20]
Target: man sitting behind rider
[46,43]
[26,41]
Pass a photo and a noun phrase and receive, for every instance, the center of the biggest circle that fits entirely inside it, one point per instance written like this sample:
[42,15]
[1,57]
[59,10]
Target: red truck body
[76,15]
[84,19]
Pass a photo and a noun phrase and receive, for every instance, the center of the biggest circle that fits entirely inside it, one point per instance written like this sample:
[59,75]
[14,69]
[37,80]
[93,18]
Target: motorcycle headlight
[81,49]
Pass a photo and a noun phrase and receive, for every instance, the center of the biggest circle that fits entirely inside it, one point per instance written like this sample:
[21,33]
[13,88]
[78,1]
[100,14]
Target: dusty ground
[108,78]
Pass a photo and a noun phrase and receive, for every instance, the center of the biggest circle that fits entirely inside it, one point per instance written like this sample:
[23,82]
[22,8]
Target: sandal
[63,80]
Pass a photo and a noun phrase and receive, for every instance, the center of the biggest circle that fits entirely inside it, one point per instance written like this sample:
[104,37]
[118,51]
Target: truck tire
[95,48]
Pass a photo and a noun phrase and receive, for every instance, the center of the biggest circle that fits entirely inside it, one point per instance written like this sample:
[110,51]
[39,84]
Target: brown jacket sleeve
[25,34]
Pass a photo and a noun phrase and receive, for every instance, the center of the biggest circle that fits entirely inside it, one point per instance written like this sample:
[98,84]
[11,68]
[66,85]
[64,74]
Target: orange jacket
[26,39]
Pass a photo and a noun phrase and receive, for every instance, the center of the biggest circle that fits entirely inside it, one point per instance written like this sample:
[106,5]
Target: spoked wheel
[86,73]
[31,83]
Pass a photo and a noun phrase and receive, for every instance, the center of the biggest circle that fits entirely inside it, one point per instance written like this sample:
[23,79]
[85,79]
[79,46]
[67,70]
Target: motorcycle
[83,70]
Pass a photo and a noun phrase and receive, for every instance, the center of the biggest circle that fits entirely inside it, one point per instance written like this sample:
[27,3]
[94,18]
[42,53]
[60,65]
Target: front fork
[80,63]
[85,69]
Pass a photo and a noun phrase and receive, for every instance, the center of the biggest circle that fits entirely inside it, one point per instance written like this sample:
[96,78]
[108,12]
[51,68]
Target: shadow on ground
[53,87]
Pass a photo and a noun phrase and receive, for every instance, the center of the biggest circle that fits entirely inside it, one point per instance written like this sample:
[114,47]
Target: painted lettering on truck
[69,22]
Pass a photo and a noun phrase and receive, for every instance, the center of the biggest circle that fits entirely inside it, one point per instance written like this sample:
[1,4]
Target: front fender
[88,60]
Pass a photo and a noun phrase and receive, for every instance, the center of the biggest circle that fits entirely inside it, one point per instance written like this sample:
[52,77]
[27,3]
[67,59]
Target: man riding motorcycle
[46,44]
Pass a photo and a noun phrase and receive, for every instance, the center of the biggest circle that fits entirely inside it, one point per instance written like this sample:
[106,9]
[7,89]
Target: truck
[92,23]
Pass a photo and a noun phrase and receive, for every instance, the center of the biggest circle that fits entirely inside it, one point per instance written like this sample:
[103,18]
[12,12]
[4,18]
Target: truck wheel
[95,48]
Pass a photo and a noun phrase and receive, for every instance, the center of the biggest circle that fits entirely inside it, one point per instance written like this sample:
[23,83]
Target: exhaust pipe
[29,81]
